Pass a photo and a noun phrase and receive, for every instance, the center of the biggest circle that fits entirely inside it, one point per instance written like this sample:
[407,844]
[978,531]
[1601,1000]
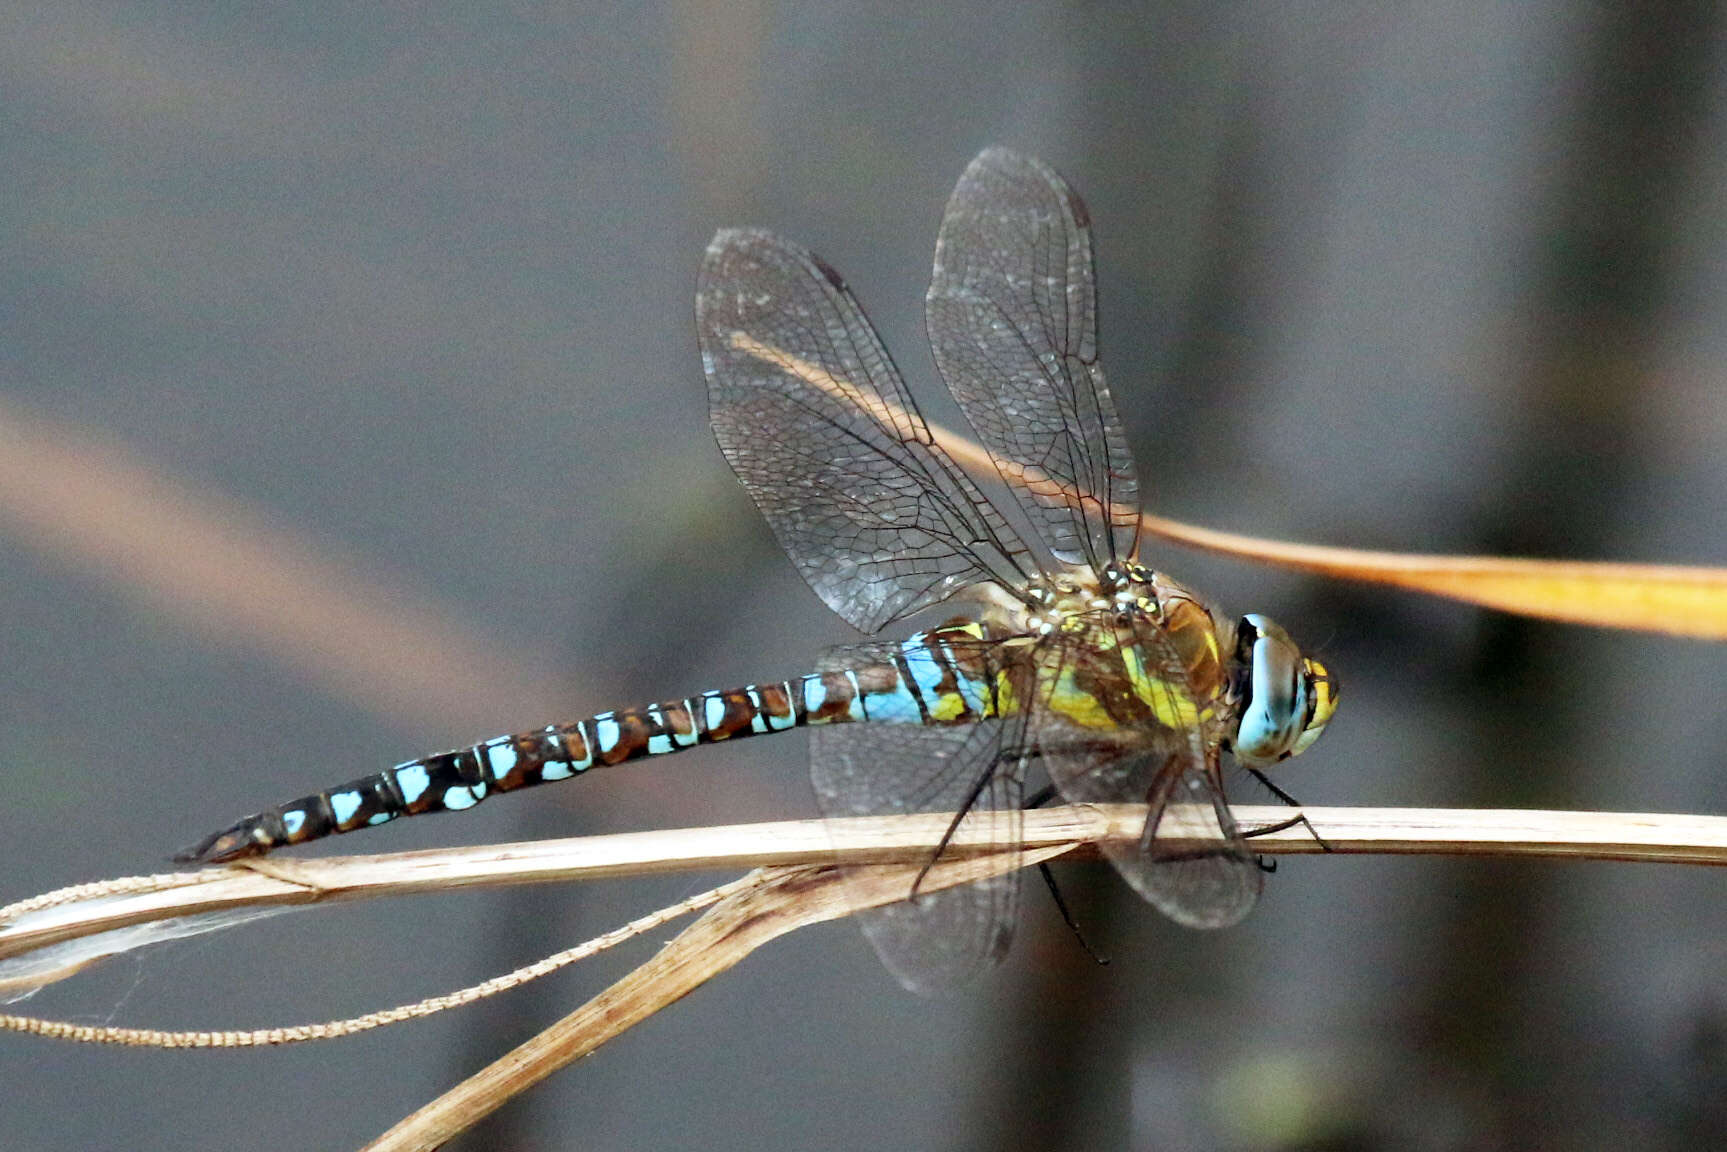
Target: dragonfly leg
[977,787]
[1037,800]
[1273,788]
[1067,914]
[1283,824]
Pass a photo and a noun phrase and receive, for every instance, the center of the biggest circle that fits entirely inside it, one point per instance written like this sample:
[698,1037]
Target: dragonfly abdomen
[923,683]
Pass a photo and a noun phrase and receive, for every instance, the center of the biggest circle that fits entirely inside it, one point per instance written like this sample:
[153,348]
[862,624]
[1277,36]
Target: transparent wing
[818,426]
[938,940]
[1012,315]
[1190,861]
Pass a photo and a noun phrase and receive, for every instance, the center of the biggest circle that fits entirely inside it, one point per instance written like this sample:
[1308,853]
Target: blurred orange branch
[1670,598]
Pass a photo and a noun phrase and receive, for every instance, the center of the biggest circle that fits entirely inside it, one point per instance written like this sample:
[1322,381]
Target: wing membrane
[1012,316]
[937,940]
[817,424]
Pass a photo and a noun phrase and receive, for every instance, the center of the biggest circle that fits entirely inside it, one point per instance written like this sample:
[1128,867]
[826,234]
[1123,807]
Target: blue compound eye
[1286,698]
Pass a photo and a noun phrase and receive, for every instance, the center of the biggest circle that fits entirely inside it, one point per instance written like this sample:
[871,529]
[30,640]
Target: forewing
[1012,315]
[1190,860]
[814,419]
[934,941]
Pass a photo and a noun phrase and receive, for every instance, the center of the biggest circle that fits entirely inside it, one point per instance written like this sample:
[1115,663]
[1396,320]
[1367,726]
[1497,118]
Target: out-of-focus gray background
[350,409]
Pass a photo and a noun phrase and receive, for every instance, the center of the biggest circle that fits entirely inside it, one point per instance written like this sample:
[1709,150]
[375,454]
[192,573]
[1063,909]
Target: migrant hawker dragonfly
[1073,660]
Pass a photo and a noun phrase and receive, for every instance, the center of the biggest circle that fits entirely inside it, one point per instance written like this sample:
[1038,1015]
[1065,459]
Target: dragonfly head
[1286,698]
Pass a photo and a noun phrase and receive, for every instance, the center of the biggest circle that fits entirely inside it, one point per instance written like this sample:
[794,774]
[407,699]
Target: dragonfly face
[1286,699]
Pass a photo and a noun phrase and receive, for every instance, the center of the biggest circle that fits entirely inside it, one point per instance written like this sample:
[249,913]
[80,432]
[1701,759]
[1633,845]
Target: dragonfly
[1071,660]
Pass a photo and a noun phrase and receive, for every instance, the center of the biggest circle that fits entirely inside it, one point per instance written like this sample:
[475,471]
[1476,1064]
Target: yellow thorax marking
[1170,705]
[1173,706]
[1006,704]
[951,706]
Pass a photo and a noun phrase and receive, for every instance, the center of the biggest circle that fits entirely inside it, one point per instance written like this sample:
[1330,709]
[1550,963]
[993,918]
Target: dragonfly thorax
[1078,599]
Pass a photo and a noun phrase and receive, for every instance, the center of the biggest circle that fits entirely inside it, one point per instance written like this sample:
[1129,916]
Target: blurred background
[350,410]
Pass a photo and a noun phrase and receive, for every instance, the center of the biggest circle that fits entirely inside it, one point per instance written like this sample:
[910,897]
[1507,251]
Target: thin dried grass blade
[785,900]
